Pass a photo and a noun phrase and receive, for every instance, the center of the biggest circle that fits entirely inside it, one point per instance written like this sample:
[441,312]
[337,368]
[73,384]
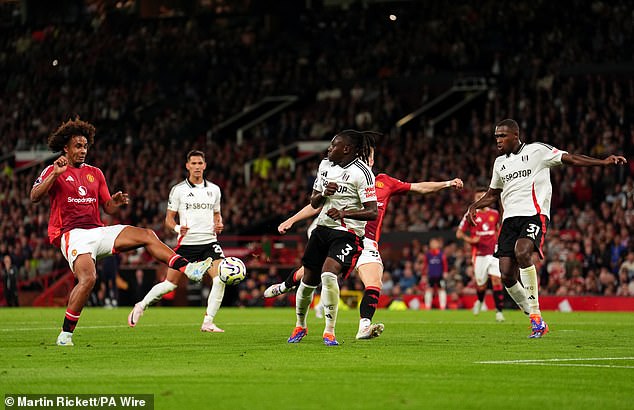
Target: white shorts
[370,253]
[484,267]
[98,242]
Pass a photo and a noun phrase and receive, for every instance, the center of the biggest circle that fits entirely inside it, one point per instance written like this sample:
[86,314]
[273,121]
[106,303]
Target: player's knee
[87,279]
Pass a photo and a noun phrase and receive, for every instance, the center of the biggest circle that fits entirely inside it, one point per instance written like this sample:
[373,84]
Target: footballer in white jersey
[196,205]
[355,186]
[521,181]
[345,190]
[523,175]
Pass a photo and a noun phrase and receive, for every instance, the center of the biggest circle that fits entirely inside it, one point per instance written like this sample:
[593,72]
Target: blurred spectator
[10,281]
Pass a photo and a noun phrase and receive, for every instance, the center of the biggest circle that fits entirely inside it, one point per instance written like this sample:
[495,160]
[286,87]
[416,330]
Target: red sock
[70,320]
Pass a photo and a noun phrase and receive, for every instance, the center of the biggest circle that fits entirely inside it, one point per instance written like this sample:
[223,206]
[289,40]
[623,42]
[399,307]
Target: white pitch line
[554,360]
[559,362]
[576,365]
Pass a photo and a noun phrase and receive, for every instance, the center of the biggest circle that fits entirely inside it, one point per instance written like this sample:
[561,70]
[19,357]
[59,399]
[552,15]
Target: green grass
[423,360]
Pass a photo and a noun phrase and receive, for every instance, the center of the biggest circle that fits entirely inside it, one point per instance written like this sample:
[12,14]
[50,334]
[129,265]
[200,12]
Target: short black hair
[195,153]
[512,124]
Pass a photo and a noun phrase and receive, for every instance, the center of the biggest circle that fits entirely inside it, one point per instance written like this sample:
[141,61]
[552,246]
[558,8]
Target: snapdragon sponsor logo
[82,191]
[81,200]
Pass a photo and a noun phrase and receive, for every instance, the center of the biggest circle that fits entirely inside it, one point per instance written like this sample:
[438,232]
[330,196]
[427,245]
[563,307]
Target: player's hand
[615,159]
[331,188]
[60,165]
[336,214]
[285,226]
[183,230]
[119,199]
[456,184]
[219,227]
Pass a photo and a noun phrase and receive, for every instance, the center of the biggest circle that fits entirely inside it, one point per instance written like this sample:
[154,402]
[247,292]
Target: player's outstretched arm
[488,199]
[306,212]
[586,161]
[427,187]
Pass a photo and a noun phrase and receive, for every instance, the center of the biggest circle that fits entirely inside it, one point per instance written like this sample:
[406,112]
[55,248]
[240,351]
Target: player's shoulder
[180,186]
[361,169]
[211,186]
[87,168]
[539,146]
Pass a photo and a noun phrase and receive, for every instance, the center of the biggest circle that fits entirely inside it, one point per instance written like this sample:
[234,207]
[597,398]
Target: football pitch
[423,360]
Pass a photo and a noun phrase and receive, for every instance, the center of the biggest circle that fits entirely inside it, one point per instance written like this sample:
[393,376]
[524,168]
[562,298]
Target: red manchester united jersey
[75,198]
[485,228]
[386,186]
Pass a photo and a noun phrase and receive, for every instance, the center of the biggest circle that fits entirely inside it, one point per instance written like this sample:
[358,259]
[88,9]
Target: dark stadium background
[249,79]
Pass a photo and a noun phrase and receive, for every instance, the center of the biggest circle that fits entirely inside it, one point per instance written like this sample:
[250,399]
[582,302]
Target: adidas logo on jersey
[191,194]
[69,179]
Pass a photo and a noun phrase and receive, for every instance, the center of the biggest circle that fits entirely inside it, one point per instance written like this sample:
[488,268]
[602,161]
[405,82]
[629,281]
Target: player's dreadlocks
[363,142]
[69,129]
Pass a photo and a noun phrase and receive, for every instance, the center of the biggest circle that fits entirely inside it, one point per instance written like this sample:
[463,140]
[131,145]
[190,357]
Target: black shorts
[435,282]
[529,227]
[197,253]
[344,247]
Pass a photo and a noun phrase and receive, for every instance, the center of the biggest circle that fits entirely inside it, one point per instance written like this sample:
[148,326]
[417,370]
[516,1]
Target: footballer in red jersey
[483,240]
[369,266]
[76,191]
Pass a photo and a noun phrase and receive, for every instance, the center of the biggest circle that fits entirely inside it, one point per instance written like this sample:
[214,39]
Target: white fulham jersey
[196,206]
[356,186]
[524,179]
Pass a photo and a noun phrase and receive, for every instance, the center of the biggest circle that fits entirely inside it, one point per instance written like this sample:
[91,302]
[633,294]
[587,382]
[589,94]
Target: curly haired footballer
[60,137]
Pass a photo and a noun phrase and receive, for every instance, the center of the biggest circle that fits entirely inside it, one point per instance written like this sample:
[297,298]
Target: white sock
[302,302]
[156,293]
[429,297]
[529,279]
[442,299]
[518,294]
[215,299]
[364,322]
[330,300]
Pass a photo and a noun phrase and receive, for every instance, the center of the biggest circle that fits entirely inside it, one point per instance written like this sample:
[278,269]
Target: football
[232,270]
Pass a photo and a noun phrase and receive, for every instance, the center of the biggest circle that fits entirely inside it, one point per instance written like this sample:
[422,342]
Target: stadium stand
[157,88]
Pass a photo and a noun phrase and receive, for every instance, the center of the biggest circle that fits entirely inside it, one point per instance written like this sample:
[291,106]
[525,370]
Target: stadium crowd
[156,89]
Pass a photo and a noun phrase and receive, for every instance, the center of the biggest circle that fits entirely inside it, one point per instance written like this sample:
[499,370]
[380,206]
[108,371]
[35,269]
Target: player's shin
[442,299]
[429,297]
[368,305]
[330,300]
[518,294]
[302,301]
[531,284]
[498,297]
[156,293]
[292,280]
[214,300]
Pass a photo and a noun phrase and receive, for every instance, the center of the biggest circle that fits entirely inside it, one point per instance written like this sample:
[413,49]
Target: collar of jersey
[518,151]
[194,186]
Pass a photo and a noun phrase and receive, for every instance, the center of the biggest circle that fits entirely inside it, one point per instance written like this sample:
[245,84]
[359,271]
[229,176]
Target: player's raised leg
[291,282]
